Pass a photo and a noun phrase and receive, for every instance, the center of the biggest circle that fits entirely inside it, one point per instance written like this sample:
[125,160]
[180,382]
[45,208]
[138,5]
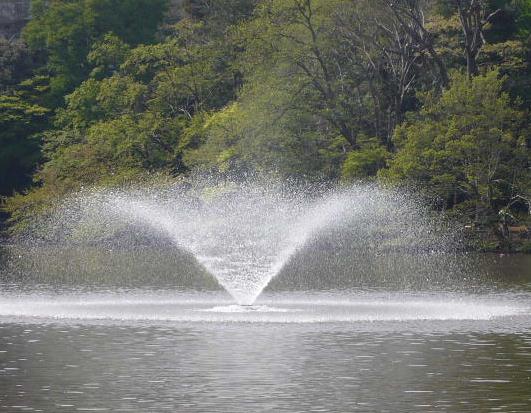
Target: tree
[126,118]
[411,16]
[500,46]
[365,162]
[19,154]
[107,55]
[467,146]
[296,39]
[16,63]
[392,61]
[198,74]
[65,32]
[523,18]
[474,16]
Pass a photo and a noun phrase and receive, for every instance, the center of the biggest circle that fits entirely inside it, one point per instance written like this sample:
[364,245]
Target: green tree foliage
[19,155]
[131,114]
[294,41]
[314,78]
[430,92]
[365,162]
[16,63]
[467,146]
[107,55]
[523,18]
[22,116]
[65,31]
[496,39]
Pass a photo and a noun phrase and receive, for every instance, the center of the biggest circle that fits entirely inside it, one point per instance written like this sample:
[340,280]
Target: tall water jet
[245,233]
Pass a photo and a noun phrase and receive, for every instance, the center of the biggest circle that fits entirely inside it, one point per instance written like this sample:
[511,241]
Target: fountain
[354,253]
[244,233]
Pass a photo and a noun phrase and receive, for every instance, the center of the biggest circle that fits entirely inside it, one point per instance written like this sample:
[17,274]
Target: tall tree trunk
[410,15]
[471,64]
[473,15]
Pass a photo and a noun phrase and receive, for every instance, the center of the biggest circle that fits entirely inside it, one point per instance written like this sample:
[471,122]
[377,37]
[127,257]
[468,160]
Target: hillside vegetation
[433,94]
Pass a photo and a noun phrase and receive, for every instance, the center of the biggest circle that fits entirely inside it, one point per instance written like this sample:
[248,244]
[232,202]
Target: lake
[68,345]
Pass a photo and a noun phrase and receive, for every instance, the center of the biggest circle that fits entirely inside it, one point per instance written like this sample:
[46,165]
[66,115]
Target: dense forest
[433,94]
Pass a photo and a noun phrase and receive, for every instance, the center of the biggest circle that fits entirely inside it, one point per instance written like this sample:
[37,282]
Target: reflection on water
[261,367]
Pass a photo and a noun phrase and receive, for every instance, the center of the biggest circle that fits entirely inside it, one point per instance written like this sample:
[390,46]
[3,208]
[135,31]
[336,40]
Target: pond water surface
[72,346]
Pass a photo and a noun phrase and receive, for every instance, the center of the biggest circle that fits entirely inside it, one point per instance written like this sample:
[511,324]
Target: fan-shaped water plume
[245,233]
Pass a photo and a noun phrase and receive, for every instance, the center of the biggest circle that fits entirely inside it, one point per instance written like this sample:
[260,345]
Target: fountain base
[244,308]
[171,307]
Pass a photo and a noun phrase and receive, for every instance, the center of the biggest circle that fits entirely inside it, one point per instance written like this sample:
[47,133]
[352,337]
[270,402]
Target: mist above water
[244,234]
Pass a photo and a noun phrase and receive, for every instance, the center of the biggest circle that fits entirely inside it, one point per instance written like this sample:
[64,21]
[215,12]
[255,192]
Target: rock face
[14,14]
